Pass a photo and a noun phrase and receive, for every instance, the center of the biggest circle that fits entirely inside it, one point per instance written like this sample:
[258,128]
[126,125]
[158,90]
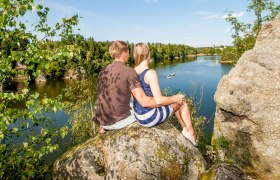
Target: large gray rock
[133,153]
[248,106]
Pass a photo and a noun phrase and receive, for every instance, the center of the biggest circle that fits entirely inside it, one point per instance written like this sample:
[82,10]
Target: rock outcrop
[72,74]
[23,75]
[223,171]
[20,78]
[41,78]
[20,66]
[248,106]
[133,153]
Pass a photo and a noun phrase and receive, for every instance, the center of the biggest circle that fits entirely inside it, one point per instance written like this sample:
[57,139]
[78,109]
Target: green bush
[27,137]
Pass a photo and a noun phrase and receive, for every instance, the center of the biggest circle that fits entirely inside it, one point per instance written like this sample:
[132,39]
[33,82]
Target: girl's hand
[180,98]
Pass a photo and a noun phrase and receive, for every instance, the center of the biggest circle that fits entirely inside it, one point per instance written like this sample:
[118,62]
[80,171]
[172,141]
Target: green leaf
[25,144]
[3,147]
[1,136]
[21,12]
[38,72]
[25,91]
[36,95]
[15,130]
[54,109]
[30,173]
[48,140]
[39,7]
[44,132]
[47,65]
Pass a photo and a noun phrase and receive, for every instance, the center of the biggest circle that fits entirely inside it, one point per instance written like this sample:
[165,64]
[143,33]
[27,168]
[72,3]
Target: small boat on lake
[170,76]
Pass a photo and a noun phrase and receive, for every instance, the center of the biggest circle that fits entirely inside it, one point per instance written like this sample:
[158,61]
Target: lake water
[191,75]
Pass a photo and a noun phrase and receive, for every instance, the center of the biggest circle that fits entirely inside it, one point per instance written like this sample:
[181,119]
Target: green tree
[259,8]
[23,158]
[245,34]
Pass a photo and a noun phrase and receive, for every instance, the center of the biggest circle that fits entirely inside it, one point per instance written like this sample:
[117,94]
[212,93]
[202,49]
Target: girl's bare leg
[183,115]
[186,117]
[176,108]
[180,120]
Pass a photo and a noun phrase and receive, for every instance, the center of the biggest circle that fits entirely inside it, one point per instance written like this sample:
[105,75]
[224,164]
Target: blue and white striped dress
[149,117]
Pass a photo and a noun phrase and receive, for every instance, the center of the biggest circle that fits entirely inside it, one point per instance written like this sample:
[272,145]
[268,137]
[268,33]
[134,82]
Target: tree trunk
[258,13]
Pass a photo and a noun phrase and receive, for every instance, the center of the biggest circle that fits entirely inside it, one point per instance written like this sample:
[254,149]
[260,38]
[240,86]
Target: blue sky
[192,22]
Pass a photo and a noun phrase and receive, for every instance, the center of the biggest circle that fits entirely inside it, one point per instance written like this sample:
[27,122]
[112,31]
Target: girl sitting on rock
[150,117]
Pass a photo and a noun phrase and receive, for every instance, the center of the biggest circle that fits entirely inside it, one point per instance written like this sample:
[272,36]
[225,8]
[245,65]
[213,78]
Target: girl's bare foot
[189,137]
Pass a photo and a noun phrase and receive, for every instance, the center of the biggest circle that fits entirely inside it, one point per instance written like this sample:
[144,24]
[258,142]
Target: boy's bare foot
[102,130]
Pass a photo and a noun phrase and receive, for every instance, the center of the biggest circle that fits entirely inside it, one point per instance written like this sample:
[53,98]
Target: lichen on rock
[134,152]
[248,106]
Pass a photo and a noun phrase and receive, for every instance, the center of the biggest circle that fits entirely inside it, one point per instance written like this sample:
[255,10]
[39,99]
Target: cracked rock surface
[248,106]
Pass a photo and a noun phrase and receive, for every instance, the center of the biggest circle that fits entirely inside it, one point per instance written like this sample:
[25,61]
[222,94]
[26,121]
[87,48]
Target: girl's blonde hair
[141,52]
[117,48]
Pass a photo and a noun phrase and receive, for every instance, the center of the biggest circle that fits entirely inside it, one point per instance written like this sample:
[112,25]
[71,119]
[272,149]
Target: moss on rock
[135,151]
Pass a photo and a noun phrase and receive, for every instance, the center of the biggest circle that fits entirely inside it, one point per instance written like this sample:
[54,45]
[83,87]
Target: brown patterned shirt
[115,84]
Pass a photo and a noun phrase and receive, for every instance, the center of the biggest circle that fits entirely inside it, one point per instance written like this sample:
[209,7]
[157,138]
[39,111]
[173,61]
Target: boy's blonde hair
[141,52]
[117,48]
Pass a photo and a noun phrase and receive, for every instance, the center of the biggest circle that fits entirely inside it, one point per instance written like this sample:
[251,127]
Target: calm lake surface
[191,75]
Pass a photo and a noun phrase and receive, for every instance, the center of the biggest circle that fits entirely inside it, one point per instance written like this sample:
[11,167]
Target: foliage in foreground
[80,105]
[27,137]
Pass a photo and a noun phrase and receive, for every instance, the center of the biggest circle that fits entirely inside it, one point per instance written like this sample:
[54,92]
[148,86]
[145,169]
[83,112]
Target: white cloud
[211,15]
[214,16]
[227,29]
[235,15]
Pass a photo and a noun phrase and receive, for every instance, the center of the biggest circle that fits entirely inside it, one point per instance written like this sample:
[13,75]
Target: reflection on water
[51,88]
[171,62]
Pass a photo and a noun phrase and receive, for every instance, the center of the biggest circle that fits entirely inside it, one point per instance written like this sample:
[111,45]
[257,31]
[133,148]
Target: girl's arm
[152,79]
[143,99]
